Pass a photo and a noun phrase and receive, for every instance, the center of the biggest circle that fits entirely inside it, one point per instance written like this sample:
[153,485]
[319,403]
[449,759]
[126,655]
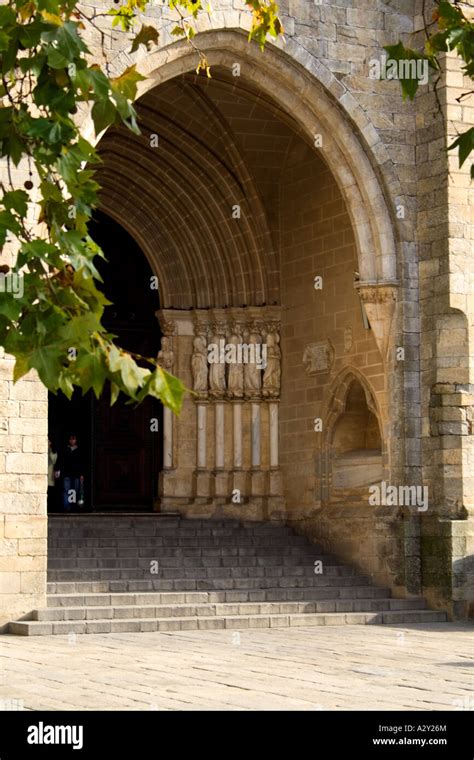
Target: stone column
[203,477]
[221,486]
[257,478]
[273,411]
[201,436]
[167,438]
[239,480]
[275,486]
[219,433]
[255,436]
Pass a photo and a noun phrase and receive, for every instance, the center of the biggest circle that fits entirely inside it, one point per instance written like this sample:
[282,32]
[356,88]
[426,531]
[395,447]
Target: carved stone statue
[165,356]
[253,366]
[216,368]
[272,374]
[235,377]
[199,364]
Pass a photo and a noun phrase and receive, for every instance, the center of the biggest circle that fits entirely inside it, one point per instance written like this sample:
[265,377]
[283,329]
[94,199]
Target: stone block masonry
[23,484]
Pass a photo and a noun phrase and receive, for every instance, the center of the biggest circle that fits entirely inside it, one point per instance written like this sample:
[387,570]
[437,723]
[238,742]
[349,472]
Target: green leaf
[8,223]
[78,328]
[90,371]
[92,79]
[147,36]
[126,83]
[47,361]
[103,115]
[16,200]
[10,305]
[4,40]
[66,385]
[38,249]
[21,368]
[448,13]
[465,143]
[7,15]
[408,60]
[13,146]
[165,387]
[66,40]
[114,392]
[132,375]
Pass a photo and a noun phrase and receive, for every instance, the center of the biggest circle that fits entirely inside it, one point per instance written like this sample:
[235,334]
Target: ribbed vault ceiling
[221,144]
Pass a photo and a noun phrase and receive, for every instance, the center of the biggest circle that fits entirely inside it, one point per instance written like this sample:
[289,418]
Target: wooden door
[127,454]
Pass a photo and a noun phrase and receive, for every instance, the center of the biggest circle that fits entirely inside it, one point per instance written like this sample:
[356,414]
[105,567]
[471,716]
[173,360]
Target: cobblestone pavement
[416,667]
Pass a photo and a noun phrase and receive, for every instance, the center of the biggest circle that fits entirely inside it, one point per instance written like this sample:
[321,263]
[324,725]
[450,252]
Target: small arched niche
[356,446]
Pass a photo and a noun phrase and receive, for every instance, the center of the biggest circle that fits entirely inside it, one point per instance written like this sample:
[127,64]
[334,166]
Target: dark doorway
[122,453]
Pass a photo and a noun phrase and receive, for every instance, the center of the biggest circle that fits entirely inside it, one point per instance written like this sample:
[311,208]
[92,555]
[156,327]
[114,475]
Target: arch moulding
[301,85]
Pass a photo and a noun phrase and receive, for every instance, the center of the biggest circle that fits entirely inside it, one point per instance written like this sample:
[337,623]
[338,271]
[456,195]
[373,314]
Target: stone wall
[444,235]
[325,318]
[23,482]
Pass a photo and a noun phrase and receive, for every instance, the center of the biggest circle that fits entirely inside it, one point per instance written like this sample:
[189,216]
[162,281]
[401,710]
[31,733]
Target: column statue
[199,364]
[165,356]
[252,367]
[216,367]
[272,374]
[235,377]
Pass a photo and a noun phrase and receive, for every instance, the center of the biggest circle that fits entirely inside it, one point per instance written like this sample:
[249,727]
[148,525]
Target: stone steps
[168,561]
[210,574]
[208,584]
[199,563]
[142,550]
[232,622]
[156,529]
[97,612]
[130,598]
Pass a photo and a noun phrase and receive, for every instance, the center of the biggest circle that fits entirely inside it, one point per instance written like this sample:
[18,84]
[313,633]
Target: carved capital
[379,301]
[168,326]
[377,292]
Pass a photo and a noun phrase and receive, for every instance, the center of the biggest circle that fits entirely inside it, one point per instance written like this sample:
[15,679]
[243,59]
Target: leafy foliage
[47,75]
[453,32]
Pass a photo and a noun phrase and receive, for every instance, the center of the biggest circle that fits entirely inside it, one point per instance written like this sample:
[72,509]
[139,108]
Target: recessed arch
[353,446]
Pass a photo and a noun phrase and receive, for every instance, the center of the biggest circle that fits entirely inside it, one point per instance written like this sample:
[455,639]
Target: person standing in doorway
[71,471]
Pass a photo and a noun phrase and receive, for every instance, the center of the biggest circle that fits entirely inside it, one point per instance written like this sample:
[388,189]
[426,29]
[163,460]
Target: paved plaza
[416,667]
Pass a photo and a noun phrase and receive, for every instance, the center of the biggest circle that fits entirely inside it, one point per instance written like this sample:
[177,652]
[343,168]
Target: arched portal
[239,211]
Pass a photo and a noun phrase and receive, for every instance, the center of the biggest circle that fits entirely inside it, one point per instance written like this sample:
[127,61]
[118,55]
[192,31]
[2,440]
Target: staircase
[121,573]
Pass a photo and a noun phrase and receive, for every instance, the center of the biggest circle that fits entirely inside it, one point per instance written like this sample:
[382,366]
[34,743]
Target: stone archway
[176,188]
[307,90]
